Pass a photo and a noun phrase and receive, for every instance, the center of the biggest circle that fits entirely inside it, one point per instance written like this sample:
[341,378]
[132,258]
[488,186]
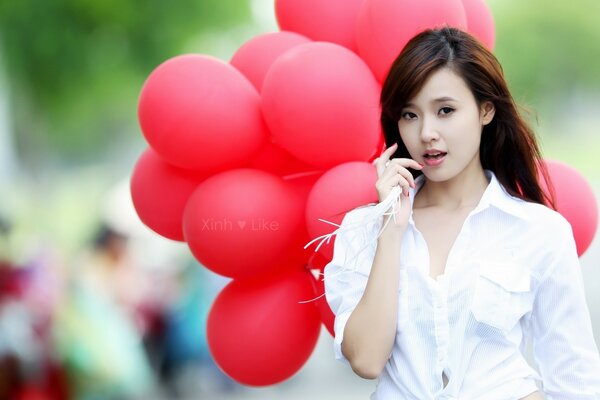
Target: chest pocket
[502,294]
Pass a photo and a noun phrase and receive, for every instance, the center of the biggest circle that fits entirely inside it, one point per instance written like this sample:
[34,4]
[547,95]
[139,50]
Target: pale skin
[444,115]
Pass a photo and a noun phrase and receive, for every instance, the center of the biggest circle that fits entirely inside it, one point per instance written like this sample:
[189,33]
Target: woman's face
[444,117]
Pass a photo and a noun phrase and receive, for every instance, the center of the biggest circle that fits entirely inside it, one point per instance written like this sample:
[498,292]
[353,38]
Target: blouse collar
[494,195]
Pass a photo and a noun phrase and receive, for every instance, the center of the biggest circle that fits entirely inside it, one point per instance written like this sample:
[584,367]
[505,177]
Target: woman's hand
[392,173]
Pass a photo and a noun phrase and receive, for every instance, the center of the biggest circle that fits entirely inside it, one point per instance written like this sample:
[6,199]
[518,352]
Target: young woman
[439,288]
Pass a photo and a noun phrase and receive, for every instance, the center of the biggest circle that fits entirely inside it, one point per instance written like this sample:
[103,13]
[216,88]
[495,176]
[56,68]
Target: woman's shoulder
[355,240]
[542,237]
[366,218]
[359,212]
[544,221]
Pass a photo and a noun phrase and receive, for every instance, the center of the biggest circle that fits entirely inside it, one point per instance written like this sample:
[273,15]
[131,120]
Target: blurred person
[95,327]
[28,365]
[5,227]
[187,366]
[462,264]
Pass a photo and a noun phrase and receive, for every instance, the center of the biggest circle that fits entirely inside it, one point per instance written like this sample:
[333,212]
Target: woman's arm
[365,302]
[560,325]
[371,329]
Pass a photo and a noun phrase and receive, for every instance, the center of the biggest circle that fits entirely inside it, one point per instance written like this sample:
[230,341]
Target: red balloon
[254,58]
[321,104]
[258,333]
[327,316]
[574,200]
[160,191]
[201,113]
[240,223]
[379,149]
[329,21]
[301,185]
[480,22]
[318,261]
[272,158]
[385,26]
[339,190]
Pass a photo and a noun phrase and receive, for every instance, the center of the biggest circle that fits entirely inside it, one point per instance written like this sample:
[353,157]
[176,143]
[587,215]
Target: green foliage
[548,48]
[76,66]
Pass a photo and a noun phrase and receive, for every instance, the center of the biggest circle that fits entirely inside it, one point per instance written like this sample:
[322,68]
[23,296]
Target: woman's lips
[434,161]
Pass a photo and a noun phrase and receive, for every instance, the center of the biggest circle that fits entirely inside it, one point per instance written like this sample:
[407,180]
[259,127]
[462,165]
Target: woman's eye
[408,115]
[446,110]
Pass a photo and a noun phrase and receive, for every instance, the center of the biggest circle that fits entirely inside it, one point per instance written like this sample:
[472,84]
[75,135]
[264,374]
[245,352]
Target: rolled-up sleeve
[346,275]
[560,327]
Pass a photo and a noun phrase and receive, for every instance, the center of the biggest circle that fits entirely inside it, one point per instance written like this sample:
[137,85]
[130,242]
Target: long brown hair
[508,145]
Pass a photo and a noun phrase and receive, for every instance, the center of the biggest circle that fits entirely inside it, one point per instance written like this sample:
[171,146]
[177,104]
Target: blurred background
[95,305]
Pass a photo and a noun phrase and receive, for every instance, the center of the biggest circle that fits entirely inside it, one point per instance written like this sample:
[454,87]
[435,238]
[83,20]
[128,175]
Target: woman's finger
[407,175]
[403,183]
[390,150]
[387,153]
[407,162]
[397,169]
[384,158]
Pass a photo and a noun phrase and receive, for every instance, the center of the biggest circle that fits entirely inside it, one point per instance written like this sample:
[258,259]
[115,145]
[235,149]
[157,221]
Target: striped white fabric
[512,275]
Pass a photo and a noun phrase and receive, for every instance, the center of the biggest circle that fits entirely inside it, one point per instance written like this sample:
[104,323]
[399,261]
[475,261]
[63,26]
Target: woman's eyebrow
[438,100]
[442,99]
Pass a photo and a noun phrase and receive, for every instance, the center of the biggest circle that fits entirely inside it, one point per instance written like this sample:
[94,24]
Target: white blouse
[512,275]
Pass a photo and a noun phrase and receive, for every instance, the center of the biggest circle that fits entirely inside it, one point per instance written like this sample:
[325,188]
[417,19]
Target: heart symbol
[241,224]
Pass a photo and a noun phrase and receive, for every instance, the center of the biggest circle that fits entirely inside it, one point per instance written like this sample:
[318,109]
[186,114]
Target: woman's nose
[428,131]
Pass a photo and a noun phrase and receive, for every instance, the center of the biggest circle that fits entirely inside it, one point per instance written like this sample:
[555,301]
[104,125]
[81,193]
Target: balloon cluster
[245,156]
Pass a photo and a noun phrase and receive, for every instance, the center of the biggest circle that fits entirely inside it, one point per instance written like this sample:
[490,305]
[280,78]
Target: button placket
[442,330]
[460,248]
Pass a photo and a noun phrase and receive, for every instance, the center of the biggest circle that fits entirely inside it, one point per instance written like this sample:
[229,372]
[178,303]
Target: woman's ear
[487,112]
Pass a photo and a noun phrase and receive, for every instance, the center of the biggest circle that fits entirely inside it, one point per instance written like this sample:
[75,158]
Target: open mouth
[434,156]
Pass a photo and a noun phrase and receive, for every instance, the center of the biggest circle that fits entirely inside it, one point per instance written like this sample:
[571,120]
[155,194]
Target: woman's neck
[464,190]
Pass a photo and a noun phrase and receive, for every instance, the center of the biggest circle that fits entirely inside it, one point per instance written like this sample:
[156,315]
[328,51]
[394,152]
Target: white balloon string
[373,216]
[316,298]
